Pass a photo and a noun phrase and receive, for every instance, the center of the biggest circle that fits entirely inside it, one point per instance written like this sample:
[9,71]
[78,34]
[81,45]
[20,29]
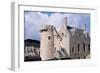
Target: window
[73,49]
[78,47]
[84,46]
[49,37]
[88,47]
[62,49]
[62,33]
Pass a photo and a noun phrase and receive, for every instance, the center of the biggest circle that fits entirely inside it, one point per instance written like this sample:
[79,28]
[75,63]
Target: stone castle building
[67,43]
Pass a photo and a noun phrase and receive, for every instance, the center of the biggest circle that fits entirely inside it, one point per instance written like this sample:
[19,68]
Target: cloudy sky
[34,20]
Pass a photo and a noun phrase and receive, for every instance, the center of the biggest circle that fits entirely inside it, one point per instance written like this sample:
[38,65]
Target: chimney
[84,27]
[65,20]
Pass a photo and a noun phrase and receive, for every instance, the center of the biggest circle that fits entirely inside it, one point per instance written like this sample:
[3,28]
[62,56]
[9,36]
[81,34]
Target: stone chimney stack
[65,20]
[84,27]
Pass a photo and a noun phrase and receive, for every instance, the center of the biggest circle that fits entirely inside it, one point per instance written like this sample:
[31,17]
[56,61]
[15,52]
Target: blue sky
[34,20]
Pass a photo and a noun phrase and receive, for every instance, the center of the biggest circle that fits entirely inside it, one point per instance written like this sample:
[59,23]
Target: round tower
[47,42]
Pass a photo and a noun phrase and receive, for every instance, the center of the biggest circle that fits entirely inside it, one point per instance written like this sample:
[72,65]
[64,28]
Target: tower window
[49,37]
[62,33]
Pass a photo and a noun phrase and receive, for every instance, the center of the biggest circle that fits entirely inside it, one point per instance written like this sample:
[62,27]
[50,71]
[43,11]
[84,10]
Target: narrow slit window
[78,47]
[72,49]
[49,37]
[88,47]
[84,47]
[62,34]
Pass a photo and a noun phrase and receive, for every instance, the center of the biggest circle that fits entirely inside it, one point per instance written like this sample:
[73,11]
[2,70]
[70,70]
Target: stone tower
[47,42]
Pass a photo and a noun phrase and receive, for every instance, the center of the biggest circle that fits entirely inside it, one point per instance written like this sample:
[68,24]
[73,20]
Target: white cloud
[56,19]
[73,19]
[34,20]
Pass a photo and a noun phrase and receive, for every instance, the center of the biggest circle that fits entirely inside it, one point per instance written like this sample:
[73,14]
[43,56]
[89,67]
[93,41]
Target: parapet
[46,28]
